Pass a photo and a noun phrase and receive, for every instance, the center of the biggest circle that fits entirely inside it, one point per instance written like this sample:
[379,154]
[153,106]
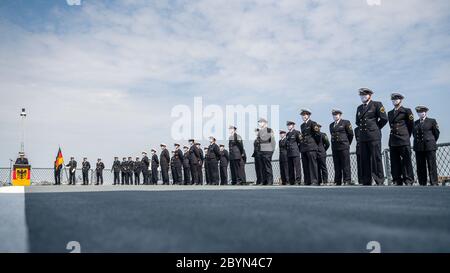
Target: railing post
[387,166]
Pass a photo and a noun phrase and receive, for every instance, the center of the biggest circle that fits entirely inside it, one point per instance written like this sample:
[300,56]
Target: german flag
[59,159]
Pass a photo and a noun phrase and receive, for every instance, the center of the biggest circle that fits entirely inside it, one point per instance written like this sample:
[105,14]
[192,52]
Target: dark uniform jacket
[194,155]
[341,135]
[145,163]
[324,145]
[283,145]
[155,161]
[164,159]
[293,142]
[124,166]
[310,137]
[72,165]
[256,148]
[402,125]
[214,152]
[224,158]
[186,157]
[130,166]
[235,147]
[370,120]
[138,167]
[426,134]
[99,167]
[85,166]
[177,159]
[116,166]
[22,161]
[358,146]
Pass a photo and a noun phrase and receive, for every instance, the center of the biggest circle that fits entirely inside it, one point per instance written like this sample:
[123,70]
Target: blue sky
[100,79]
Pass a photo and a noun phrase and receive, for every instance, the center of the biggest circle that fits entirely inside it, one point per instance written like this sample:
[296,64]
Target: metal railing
[45,176]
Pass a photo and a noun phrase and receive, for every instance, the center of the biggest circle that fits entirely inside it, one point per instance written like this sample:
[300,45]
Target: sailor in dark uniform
[85,168]
[99,167]
[21,160]
[194,161]
[145,164]
[257,159]
[138,168]
[341,138]
[116,169]
[186,166]
[123,170]
[224,160]
[202,160]
[426,134]
[237,157]
[72,170]
[154,166]
[293,143]
[213,157]
[309,148]
[324,145]
[164,161]
[371,117]
[401,121]
[283,158]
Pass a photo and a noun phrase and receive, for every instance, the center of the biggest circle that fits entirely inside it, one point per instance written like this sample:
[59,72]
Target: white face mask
[423,115]
[364,98]
[336,117]
[261,124]
[231,131]
[396,102]
[290,127]
[305,117]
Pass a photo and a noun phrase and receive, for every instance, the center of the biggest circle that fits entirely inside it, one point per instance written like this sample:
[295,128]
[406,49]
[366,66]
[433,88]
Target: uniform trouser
[322,169]
[194,174]
[213,172]
[155,175]
[99,177]
[137,178]
[224,175]
[145,177]
[372,163]
[165,175]
[295,170]
[130,178]
[236,171]
[310,171]
[401,165]
[200,173]
[124,178]
[206,168]
[187,175]
[359,165]
[258,169]
[266,168]
[85,177]
[342,170]
[284,172]
[427,160]
[177,174]
[72,178]
[58,177]
[116,178]
[242,171]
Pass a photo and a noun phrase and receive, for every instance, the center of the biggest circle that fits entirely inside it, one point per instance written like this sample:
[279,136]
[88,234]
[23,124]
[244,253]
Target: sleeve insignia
[411,117]
[382,110]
